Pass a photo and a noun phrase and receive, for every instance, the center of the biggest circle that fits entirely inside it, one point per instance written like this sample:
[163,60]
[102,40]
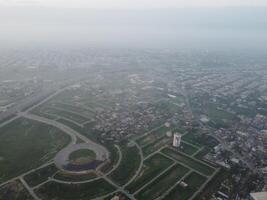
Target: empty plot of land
[194,181]
[152,136]
[196,165]
[40,175]
[162,183]
[72,108]
[152,167]
[187,148]
[152,147]
[128,166]
[26,144]
[85,191]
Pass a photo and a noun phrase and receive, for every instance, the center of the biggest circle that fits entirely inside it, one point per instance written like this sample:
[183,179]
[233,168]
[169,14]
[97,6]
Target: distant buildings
[176,139]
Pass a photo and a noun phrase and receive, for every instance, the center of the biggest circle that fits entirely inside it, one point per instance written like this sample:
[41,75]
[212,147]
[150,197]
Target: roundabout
[81,158]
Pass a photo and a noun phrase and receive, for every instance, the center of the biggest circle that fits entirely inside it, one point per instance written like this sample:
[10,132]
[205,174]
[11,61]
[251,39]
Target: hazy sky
[149,23]
[116,4]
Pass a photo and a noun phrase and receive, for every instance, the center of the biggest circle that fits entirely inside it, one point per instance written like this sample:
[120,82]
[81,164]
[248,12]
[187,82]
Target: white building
[176,139]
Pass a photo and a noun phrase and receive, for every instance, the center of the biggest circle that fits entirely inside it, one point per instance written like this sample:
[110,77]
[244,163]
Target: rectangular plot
[194,182]
[89,190]
[40,175]
[153,136]
[198,166]
[163,183]
[151,168]
[187,148]
[150,148]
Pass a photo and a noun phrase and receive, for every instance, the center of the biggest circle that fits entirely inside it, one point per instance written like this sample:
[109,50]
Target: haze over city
[133,100]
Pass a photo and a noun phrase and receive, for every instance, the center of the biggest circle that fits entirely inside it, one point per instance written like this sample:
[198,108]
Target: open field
[150,148]
[72,108]
[187,148]
[152,136]
[82,153]
[82,130]
[40,175]
[200,140]
[193,180]
[152,167]
[26,144]
[196,165]
[85,191]
[128,165]
[202,153]
[162,183]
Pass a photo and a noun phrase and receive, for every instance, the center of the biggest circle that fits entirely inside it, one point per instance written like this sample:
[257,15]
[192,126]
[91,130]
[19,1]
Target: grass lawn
[26,144]
[196,165]
[81,153]
[153,136]
[191,138]
[187,148]
[162,183]
[66,114]
[151,168]
[40,175]
[150,148]
[85,191]
[129,164]
[194,181]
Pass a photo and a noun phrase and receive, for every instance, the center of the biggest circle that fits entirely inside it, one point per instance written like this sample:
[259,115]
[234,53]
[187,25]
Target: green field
[187,148]
[152,136]
[162,183]
[194,182]
[152,147]
[196,165]
[192,138]
[82,153]
[69,107]
[85,191]
[26,144]
[40,175]
[84,131]
[129,164]
[151,168]
[202,153]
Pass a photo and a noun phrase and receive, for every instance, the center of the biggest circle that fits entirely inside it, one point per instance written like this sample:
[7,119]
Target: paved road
[140,166]
[32,170]
[30,190]
[18,108]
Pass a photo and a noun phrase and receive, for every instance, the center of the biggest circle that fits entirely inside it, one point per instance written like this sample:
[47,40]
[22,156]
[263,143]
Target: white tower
[176,140]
